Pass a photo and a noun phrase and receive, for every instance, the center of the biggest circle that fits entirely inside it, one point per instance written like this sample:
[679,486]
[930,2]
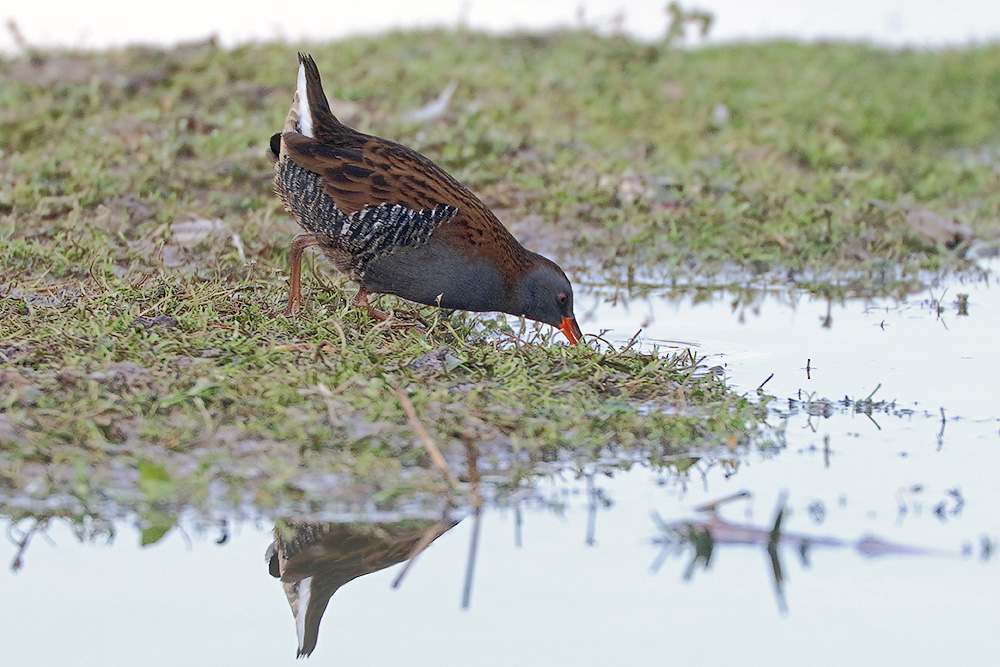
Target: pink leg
[360,300]
[299,244]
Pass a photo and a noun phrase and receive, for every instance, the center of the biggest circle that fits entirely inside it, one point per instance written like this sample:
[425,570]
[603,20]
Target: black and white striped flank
[372,232]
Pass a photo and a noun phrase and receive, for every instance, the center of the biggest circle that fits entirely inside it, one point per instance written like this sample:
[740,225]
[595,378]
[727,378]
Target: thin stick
[432,449]
[713,506]
[429,536]
[22,544]
[470,565]
[632,341]
[472,459]
[591,540]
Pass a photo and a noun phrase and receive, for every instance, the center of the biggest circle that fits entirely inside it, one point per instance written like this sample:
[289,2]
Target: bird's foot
[290,309]
[360,300]
[377,314]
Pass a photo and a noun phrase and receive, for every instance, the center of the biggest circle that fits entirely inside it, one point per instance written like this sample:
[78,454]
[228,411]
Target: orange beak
[571,329]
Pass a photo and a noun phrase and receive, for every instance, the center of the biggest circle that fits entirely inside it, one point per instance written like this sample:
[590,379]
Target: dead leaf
[434,109]
[937,229]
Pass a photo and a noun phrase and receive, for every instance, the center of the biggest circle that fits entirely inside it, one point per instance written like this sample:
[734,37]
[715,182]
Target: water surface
[896,496]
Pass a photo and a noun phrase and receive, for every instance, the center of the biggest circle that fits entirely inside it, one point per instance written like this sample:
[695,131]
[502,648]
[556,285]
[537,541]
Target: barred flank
[372,232]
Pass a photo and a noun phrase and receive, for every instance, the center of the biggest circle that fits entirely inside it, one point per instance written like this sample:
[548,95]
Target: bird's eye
[562,299]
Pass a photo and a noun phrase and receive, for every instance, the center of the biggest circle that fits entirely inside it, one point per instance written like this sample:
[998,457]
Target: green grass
[225,389]
[546,129]
[605,153]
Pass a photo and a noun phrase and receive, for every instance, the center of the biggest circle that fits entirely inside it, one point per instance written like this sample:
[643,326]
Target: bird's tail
[310,111]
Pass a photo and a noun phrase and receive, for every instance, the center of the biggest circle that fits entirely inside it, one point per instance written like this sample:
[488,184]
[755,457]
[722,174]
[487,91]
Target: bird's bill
[571,329]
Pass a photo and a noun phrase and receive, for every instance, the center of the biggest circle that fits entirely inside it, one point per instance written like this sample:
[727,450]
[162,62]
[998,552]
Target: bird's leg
[360,300]
[299,244]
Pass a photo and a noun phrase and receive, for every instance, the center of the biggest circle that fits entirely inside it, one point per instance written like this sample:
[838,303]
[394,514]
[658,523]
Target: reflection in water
[914,473]
[600,506]
[852,337]
[706,534]
[21,538]
[313,560]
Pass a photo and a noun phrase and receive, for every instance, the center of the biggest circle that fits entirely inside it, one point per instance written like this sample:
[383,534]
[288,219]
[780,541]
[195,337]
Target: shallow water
[925,353]
[576,571]
[572,592]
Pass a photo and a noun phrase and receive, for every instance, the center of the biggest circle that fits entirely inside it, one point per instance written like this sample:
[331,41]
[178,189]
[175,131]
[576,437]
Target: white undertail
[305,592]
[305,114]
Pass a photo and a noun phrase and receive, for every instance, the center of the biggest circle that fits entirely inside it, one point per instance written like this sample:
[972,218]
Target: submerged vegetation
[143,354]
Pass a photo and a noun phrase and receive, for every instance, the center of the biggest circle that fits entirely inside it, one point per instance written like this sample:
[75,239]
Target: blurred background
[107,23]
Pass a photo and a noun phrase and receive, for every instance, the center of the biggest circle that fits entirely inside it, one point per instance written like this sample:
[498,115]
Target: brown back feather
[359,170]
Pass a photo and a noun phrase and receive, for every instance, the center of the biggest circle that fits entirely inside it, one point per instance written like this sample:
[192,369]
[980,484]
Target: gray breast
[435,271]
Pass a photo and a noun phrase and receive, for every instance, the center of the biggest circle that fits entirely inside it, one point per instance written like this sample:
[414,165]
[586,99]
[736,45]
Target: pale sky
[103,23]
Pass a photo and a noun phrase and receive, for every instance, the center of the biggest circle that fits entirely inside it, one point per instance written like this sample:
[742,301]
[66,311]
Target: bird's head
[544,294]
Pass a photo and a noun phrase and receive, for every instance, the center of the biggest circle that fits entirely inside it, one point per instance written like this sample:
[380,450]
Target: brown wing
[361,170]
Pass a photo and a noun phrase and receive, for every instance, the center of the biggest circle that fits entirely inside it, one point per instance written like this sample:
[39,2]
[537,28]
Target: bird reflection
[313,560]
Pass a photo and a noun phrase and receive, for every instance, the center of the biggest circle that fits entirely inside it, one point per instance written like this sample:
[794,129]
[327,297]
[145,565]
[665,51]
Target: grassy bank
[142,349]
[777,155]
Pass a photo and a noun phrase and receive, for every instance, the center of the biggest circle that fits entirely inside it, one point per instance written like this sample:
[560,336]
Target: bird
[395,222]
[314,560]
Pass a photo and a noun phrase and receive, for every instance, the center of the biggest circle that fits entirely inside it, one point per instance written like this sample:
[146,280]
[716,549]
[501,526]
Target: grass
[603,145]
[143,356]
[223,389]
